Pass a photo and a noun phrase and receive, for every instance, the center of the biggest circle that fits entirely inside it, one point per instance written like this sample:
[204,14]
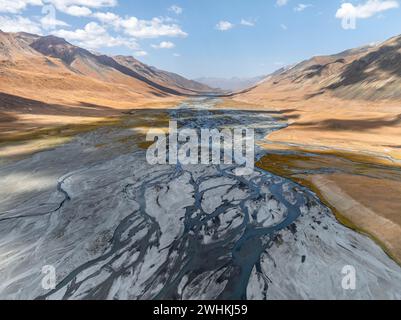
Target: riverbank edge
[340,217]
[355,155]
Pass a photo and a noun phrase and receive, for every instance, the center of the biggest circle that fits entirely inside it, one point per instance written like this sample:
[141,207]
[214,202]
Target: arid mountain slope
[369,73]
[64,76]
[347,101]
[48,82]
[374,76]
[161,77]
[49,56]
[14,47]
[116,70]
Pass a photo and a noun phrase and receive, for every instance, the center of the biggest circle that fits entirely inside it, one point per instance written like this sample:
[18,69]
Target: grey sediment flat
[115,227]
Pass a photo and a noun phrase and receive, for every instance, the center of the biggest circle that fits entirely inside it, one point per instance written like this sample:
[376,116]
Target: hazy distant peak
[230,84]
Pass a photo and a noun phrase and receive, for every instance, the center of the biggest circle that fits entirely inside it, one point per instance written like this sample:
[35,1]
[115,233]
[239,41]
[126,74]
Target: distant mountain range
[368,73]
[50,68]
[231,84]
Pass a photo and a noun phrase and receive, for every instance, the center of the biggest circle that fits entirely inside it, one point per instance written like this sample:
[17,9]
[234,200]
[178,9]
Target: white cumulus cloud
[81,8]
[16,6]
[94,36]
[164,45]
[19,24]
[247,23]
[50,22]
[77,11]
[106,29]
[281,3]
[138,28]
[224,25]
[366,10]
[154,28]
[301,7]
[71,7]
[140,53]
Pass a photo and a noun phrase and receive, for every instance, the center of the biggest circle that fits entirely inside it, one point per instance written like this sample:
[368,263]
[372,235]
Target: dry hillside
[46,81]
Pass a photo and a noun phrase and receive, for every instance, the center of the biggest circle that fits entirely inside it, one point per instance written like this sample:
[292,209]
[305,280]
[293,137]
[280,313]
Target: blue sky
[222,38]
